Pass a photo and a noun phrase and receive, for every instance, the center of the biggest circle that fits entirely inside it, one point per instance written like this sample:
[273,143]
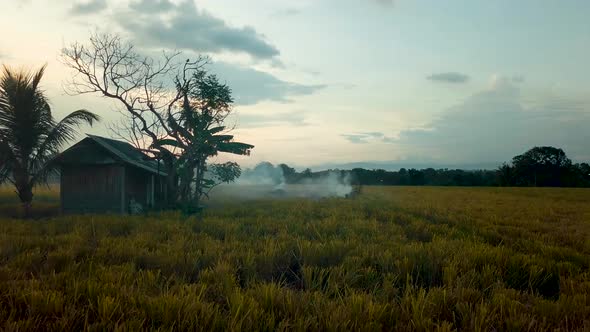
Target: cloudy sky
[322,82]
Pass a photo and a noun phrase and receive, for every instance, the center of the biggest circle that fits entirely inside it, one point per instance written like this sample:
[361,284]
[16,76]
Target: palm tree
[29,136]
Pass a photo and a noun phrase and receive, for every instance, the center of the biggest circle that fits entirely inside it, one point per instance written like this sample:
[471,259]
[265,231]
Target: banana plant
[201,135]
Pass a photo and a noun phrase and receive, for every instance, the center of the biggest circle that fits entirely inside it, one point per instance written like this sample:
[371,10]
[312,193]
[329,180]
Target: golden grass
[45,202]
[395,258]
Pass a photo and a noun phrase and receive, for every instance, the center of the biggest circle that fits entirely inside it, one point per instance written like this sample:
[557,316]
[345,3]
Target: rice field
[393,258]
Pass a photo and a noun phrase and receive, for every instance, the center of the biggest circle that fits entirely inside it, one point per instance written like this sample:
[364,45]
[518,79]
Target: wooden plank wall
[139,187]
[136,186]
[91,188]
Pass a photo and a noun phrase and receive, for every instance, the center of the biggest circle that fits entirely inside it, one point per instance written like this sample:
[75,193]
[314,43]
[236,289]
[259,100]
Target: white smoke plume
[328,185]
[267,181]
[263,174]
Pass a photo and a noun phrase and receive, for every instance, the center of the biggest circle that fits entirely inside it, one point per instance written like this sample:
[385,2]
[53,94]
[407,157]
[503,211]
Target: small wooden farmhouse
[102,175]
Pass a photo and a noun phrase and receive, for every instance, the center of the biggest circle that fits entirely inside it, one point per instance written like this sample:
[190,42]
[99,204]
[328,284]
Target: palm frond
[29,136]
[216,130]
[36,77]
[221,138]
[59,134]
[235,148]
[25,114]
[6,160]
[65,129]
[44,169]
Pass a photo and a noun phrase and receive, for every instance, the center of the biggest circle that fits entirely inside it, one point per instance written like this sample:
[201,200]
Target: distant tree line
[544,167]
[540,167]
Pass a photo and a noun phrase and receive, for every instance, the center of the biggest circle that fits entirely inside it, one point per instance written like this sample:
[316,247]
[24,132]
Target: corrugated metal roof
[128,153]
[115,151]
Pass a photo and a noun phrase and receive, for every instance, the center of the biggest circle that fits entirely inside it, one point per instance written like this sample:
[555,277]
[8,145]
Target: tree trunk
[199,181]
[185,184]
[171,189]
[25,193]
[171,182]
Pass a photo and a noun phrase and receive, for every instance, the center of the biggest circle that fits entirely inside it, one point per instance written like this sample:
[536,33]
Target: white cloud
[190,28]
[495,125]
[88,7]
[251,86]
[449,77]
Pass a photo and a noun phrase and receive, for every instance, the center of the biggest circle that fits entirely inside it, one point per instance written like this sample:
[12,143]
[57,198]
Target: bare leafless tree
[154,95]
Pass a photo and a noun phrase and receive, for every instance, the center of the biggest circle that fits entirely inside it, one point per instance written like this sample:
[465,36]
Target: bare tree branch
[169,107]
